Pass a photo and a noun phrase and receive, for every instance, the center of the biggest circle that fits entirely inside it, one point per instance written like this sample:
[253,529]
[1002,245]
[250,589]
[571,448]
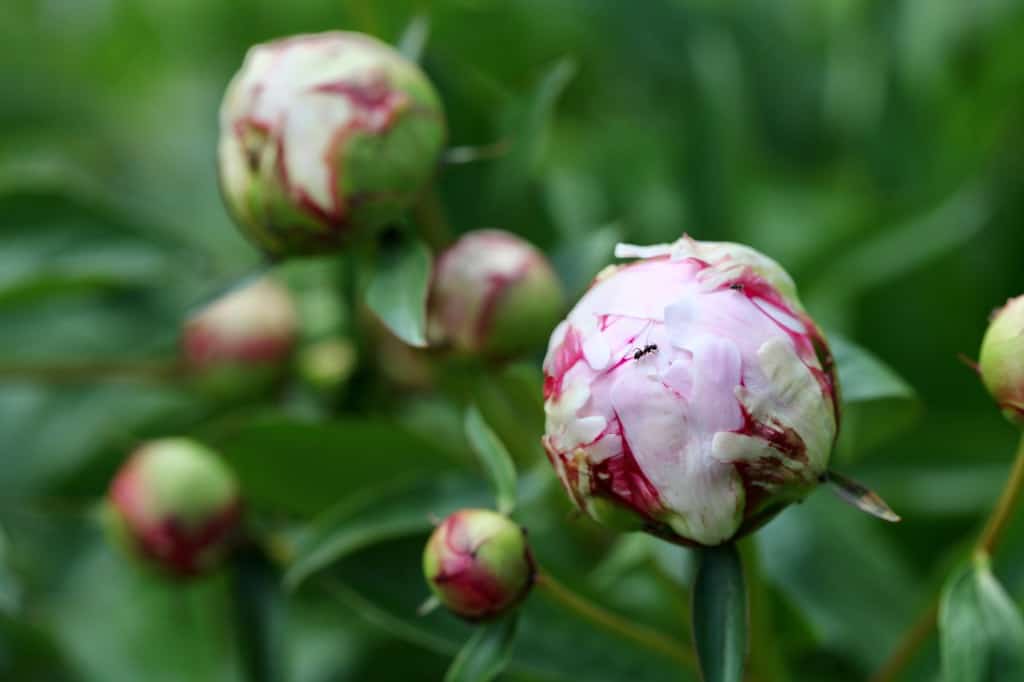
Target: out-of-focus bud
[240,344]
[688,394]
[175,505]
[325,365]
[1001,364]
[324,137]
[493,293]
[479,564]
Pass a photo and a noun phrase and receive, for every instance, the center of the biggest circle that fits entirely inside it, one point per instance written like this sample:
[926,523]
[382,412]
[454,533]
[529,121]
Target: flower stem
[158,371]
[986,545]
[642,635]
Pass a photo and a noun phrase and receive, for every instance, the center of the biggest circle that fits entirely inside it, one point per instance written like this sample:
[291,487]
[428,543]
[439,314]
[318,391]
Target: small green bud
[479,564]
[175,505]
[326,365]
[1001,363]
[325,137]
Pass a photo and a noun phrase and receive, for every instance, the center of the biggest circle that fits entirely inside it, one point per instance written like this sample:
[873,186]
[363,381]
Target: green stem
[157,371]
[986,545]
[257,617]
[642,635]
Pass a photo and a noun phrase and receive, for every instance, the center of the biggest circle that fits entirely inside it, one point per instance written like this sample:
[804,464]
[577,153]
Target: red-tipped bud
[241,342]
[478,563]
[175,505]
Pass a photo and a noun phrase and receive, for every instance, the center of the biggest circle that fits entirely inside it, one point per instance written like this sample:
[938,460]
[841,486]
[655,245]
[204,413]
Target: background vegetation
[873,148]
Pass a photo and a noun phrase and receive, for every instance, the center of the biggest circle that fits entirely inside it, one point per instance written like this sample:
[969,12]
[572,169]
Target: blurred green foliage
[873,148]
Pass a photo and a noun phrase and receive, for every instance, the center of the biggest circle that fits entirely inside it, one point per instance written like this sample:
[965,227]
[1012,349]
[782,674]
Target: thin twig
[642,635]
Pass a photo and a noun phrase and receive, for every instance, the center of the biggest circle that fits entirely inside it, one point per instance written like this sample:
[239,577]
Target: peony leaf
[487,652]
[494,457]
[397,292]
[981,629]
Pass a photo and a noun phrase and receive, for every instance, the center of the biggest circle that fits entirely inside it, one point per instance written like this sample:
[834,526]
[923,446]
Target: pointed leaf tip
[861,497]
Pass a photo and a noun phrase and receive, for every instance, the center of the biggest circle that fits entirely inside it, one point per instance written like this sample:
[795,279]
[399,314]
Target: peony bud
[478,564]
[1001,364]
[493,293]
[327,364]
[241,342]
[688,394]
[325,136]
[175,505]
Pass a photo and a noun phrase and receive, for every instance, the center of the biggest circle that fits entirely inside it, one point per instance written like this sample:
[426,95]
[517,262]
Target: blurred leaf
[307,467]
[982,629]
[487,652]
[720,614]
[414,38]
[894,252]
[861,590]
[529,131]
[398,291]
[384,512]
[28,652]
[258,615]
[578,261]
[876,402]
[496,461]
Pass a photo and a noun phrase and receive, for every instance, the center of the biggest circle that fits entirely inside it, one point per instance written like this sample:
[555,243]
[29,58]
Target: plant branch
[986,545]
[158,371]
[642,635]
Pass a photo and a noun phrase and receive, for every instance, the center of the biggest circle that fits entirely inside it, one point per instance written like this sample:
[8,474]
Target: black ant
[646,350]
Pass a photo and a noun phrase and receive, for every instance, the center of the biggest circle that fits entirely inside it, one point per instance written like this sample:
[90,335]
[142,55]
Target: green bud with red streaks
[325,137]
[478,563]
[175,505]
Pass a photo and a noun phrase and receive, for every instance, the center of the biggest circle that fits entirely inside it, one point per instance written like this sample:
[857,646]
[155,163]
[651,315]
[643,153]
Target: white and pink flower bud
[242,341]
[493,293]
[325,136]
[176,506]
[1001,363]
[688,394]
[478,563]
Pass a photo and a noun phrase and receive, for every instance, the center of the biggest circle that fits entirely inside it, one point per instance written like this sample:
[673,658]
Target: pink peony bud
[688,394]
[1001,364]
[175,505]
[241,342]
[478,564]
[325,136]
[493,293]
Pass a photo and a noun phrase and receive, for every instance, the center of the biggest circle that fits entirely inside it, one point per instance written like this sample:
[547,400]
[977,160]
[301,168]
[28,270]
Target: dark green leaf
[306,467]
[982,632]
[495,459]
[377,514]
[397,292]
[486,654]
[720,614]
[877,402]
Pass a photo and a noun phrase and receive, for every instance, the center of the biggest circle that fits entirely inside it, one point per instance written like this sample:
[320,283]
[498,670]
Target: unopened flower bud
[688,394]
[241,343]
[175,505]
[324,137]
[478,563]
[1001,364]
[325,365]
[493,293]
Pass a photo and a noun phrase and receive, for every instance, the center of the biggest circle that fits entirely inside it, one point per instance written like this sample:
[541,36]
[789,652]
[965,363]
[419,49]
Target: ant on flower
[646,350]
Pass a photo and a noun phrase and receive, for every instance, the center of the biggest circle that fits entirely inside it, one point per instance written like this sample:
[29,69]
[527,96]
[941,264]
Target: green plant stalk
[986,545]
[641,635]
[256,615]
[155,371]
